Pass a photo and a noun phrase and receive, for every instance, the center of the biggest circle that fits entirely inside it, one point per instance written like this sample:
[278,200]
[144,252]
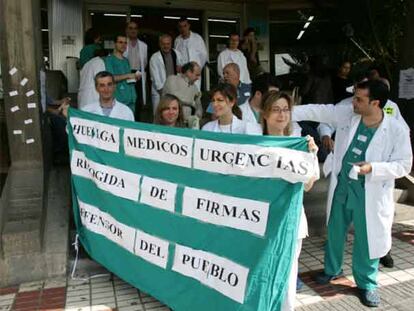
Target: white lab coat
[143,57]
[192,49]
[228,56]
[238,127]
[390,155]
[119,111]
[87,93]
[159,75]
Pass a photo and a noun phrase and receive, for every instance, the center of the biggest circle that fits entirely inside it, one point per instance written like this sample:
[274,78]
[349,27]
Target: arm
[155,77]
[220,65]
[203,52]
[321,113]
[399,162]
[121,77]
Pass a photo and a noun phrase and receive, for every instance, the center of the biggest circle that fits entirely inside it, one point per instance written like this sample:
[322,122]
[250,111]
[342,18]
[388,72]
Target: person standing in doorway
[118,65]
[191,46]
[137,55]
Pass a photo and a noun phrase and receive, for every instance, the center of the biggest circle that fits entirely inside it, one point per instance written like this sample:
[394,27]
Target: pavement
[95,289]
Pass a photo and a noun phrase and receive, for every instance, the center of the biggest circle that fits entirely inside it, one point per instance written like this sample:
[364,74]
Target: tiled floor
[107,292]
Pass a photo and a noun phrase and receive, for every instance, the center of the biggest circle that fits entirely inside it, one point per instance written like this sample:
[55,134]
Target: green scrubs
[87,53]
[125,92]
[348,206]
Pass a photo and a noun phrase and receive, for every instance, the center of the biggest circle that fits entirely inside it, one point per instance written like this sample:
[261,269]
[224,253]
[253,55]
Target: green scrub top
[87,53]
[355,153]
[125,92]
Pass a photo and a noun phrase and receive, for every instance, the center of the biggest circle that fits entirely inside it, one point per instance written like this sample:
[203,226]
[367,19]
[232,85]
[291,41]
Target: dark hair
[119,35]
[183,19]
[269,99]
[247,31]
[231,34]
[229,91]
[263,82]
[377,89]
[90,35]
[189,67]
[103,74]
[163,105]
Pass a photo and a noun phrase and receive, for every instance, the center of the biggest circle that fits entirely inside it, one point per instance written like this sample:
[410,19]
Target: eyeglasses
[278,110]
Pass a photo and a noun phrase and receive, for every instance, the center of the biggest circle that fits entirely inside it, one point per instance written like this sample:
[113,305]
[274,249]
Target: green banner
[199,220]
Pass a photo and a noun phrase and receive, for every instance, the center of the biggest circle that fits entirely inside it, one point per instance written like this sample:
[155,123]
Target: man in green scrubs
[118,65]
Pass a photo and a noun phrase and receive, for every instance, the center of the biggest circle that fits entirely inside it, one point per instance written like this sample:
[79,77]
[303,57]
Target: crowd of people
[366,138]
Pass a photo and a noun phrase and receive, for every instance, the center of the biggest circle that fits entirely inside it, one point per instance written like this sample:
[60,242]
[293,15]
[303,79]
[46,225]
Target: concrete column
[21,48]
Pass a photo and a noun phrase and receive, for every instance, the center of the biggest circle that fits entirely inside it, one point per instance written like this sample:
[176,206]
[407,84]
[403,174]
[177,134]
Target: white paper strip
[14,108]
[30,141]
[31,105]
[28,121]
[24,81]
[13,93]
[13,71]
[17,132]
[30,93]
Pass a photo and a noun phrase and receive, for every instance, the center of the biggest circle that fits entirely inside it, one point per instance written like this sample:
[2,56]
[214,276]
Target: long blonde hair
[163,105]
[268,100]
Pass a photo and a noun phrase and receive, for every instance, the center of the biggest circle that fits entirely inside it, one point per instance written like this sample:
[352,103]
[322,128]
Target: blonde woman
[169,112]
[276,121]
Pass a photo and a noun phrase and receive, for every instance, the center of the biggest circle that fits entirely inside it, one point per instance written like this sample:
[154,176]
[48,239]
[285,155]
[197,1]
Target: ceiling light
[311,18]
[306,25]
[114,14]
[136,15]
[218,36]
[300,34]
[222,20]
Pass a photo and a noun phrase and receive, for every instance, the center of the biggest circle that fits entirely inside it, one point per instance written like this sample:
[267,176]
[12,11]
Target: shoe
[369,298]
[387,261]
[322,278]
[299,283]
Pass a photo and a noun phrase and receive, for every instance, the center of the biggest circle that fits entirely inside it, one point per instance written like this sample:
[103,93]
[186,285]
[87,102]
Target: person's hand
[178,68]
[364,168]
[63,109]
[130,76]
[138,75]
[327,143]
[312,147]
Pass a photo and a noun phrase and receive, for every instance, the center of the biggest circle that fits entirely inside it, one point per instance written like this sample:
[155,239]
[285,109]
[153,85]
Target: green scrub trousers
[348,206]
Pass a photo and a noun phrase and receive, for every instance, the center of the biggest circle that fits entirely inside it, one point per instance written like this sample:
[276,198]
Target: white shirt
[229,56]
[119,111]
[192,49]
[236,127]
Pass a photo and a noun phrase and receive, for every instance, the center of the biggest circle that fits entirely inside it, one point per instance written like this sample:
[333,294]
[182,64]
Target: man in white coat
[191,46]
[164,63]
[371,151]
[106,105]
[137,55]
[232,54]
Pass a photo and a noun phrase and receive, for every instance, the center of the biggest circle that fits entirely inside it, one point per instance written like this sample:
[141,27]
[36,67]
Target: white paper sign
[152,249]
[96,134]
[171,149]
[255,161]
[13,93]
[104,224]
[118,182]
[406,85]
[17,132]
[13,71]
[158,193]
[219,273]
[224,210]
[31,105]
[28,121]
[24,81]
[30,141]
[14,108]
[30,93]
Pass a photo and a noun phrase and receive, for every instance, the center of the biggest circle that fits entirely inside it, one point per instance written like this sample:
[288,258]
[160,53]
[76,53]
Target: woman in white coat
[223,99]
[276,121]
